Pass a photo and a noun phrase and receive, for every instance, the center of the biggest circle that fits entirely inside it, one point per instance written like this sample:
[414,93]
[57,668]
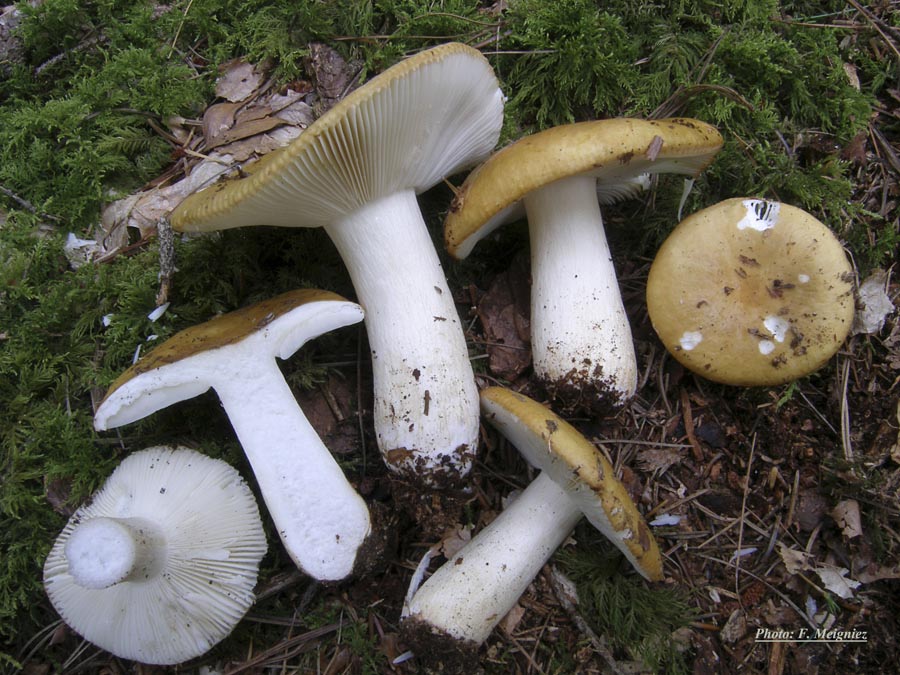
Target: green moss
[638,620]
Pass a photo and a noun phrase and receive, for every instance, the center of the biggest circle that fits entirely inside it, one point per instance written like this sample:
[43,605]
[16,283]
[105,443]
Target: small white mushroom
[580,335]
[467,596]
[161,564]
[356,172]
[320,518]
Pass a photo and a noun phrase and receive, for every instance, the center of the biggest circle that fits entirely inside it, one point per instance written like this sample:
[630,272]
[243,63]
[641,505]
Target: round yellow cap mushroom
[751,292]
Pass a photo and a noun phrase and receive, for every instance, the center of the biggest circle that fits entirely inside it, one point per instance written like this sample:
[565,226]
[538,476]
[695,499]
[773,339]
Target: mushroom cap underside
[614,150]
[554,446]
[429,116]
[751,292]
[214,542]
[288,320]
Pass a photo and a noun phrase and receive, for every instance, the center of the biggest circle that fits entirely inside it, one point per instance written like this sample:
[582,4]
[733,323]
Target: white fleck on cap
[161,565]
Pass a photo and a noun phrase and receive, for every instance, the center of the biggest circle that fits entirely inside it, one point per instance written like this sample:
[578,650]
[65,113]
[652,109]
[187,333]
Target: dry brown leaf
[512,619]
[239,80]
[873,304]
[875,572]
[503,312]
[657,459]
[794,561]
[454,540]
[217,120]
[846,515]
[330,72]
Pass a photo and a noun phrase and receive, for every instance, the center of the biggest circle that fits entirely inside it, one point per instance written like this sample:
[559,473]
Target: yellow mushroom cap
[428,116]
[751,292]
[290,318]
[553,445]
[615,151]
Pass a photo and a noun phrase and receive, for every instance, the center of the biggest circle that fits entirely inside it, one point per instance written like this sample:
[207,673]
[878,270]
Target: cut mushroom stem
[320,518]
[469,594]
[107,551]
[456,609]
[581,338]
[426,402]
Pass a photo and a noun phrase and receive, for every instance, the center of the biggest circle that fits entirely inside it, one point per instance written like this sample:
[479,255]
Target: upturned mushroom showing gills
[161,564]
[751,292]
[581,338]
[356,172]
[320,518]
[456,609]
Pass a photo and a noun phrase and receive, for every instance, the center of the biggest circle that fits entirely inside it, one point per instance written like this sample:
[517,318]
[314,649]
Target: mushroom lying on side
[161,564]
[581,339]
[751,292]
[356,172]
[320,518]
[456,609]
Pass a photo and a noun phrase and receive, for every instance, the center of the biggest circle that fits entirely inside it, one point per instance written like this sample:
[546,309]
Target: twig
[597,642]
[24,203]
[737,560]
[166,238]
[877,24]
[689,425]
[845,413]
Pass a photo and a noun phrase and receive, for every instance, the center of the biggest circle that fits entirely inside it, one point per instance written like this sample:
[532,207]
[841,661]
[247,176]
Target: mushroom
[581,339]
[356,172]
[751,292]
[161,564]
[320,518]
[460,604]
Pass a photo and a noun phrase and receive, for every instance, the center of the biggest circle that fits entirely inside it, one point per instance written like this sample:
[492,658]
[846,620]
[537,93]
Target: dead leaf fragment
[735,627]
[503,312]
[238,80]
[846,515]
[657,459]
[332,75]
[873,304]
[454,540]
[509,622]
[794,561]
[835,579]
[875,572]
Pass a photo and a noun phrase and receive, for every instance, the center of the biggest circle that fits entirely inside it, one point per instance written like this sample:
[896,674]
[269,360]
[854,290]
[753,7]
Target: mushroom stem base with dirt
[426,400]
[467,596]
[581,338]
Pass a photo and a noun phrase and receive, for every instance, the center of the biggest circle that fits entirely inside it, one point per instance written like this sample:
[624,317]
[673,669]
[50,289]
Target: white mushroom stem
[102,552]
[470,593]
[426,400]
[319,516]
[580,332]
